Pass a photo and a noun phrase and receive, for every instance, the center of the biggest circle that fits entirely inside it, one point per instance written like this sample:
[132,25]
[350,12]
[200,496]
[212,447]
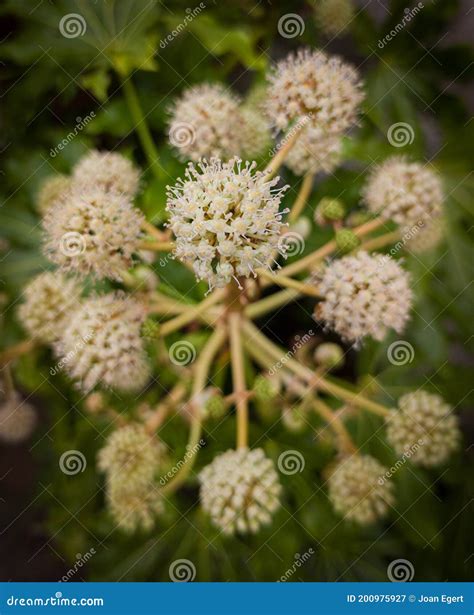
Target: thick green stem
[303,194]
[313,259]
[238,379]
[307,375]
[156,246]
[203,367]
[379,242]
[192,314]
[259,308]
[9,354]
[282,280]
[141,125]
[286,145]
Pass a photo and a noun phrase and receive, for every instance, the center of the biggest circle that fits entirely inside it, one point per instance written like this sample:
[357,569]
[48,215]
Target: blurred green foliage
[52,82]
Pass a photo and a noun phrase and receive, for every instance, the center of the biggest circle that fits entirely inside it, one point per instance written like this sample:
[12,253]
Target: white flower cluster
[226,219]
[255,133]
[93,227]
[406,192]
[312,85]
[101,343]
[49,300]
[93,232]
[131,459]
[131,456]
[364,295]
[17,419]
[54,188]
[314,152]
[427,238]
[108,171]
[206,122]
[333,16]
[423,429]
[134,508]
[358,490]
[240,490]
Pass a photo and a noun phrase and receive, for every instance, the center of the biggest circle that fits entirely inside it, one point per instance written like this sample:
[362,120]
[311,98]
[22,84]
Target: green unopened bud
[294,419]
[215,406]
[329,210]
[329,355]
[150,329]
[356,218]
[346,241]
[265,389]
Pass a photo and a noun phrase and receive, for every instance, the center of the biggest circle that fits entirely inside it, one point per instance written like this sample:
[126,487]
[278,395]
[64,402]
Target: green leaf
[98,83]
[221,39]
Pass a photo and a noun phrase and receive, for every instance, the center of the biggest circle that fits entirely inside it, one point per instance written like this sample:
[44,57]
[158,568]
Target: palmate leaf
[221,39]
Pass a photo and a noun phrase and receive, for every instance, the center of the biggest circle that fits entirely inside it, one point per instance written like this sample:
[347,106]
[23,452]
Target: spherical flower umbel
[133,507]
[49,300]
[405,192]
[93,232]
[108,171]
[206,122]
[329,355]
[359,490]
[334,16]
[255,134]
[424,239]
[101,344]
[423,429]
[364,295]
[314,152]
[226,219]
[54,188]
[317,88]
[17,419]
[240,490]
[130,455]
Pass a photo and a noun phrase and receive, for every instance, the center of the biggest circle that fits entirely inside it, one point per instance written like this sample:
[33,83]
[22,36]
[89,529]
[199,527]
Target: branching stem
[201,375]
[238,378]
[301,199]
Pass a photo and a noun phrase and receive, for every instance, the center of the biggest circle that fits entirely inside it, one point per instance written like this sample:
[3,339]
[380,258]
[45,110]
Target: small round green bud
[346,241]
[294,419]
[356,218]
[329,210]
[329,355]
[215,406]
[150,329]
[265,389]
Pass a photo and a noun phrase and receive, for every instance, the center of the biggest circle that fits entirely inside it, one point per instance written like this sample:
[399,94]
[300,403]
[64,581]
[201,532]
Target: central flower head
[226,219]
